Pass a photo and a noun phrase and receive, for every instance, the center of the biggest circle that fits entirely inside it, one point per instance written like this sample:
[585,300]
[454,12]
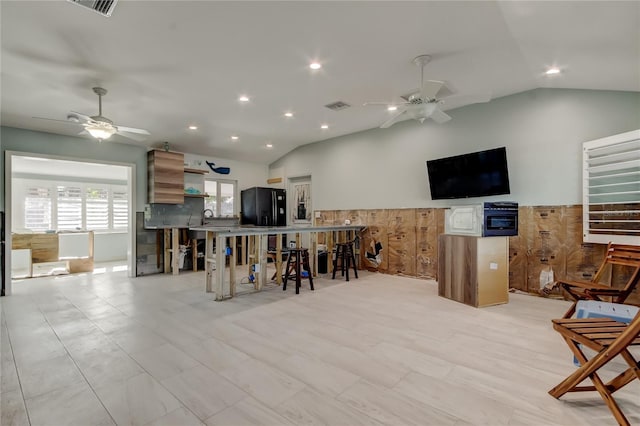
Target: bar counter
[221,235]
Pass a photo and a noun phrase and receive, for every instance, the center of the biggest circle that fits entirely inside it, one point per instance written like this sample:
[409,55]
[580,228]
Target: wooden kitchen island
[473,270]
[225,244]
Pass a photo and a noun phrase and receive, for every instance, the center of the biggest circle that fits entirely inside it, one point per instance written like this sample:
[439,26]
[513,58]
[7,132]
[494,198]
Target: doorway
[81,211]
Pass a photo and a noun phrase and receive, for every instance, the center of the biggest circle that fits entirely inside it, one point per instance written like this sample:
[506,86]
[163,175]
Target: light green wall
[13,139]
[543,131]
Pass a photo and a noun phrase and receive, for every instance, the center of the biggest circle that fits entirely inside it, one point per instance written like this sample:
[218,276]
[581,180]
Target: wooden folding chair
[617,254]
[608,338]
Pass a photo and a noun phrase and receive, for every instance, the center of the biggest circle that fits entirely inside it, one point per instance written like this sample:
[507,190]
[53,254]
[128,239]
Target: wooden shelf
[196,171]
[196,195]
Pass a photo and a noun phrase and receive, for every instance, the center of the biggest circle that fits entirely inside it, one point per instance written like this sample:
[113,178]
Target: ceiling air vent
[337,106]
[103,7]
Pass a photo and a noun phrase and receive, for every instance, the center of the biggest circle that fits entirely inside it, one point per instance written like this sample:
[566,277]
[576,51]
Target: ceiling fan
[101,127]
[425,103]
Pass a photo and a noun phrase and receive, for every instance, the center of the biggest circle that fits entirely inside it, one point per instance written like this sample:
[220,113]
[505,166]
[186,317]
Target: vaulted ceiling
[171,64]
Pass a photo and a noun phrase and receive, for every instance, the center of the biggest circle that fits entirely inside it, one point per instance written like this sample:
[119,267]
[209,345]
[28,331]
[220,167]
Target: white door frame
[131,187]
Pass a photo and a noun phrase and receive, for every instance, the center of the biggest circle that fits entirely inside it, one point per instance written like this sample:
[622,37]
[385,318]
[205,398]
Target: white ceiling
[170,64]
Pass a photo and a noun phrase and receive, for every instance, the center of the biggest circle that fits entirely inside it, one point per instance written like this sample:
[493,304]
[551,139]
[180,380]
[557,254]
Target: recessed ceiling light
[193,127]
[315,65]
[269,145]
[324,126]
[243,98]
[392,108]
[553,71]
[288,114]
[234,138]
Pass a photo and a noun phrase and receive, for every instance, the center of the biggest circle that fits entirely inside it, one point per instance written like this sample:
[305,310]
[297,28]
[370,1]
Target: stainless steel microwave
[500,219]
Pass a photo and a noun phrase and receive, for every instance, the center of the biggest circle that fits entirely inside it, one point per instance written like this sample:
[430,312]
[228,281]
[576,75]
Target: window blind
[120,209]
[37,208]
[611,189]
[97,208]
[69,211]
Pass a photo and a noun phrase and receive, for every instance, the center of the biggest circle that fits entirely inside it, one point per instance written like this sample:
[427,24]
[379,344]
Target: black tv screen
[477,174]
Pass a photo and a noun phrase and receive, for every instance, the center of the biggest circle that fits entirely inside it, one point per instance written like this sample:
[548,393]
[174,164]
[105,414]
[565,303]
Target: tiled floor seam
[13,357]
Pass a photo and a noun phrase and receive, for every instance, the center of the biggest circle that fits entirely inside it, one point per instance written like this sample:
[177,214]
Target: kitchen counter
[221,234]
[256,230]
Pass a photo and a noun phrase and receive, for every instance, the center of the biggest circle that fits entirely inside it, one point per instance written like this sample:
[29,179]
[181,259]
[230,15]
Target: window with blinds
[69,210]
[69,206]
[97,208]
[120,208]
[37,208]
[611,189]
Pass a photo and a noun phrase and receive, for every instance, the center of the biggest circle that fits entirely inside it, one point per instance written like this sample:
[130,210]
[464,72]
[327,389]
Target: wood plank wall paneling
[545,251]
[402,242]
[325,218]
[518,250]
[427,231]
[377,232]
[549,237]
[357,217]
[582,259]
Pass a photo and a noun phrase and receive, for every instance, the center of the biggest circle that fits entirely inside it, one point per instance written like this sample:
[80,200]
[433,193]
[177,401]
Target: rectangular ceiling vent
[103,7]
[337,106]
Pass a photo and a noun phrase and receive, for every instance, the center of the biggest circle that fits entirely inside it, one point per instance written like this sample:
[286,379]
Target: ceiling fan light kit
[100,127]
[100,131]
[425,103]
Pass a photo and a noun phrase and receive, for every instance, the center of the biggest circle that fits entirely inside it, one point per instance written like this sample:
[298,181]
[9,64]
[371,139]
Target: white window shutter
[37,208]
[97,208]
[69,207]
[611,189]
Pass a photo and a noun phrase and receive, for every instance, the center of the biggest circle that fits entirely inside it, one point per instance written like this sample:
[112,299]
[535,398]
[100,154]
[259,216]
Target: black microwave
[500,219]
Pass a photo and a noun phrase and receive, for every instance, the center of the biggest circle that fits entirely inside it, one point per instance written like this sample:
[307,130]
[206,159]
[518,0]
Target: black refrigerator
[263,206]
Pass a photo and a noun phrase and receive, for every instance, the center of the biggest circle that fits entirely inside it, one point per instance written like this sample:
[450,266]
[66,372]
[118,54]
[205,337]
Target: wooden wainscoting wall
[549,238]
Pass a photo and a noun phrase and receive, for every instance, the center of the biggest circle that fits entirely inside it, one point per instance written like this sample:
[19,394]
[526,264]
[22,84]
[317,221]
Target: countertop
[250,229]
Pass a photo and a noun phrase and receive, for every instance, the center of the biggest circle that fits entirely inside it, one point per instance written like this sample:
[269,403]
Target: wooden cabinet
[473,270]
[44,248]
[165,177]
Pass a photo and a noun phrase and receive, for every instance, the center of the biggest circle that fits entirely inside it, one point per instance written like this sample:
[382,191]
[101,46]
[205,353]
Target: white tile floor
[106,349]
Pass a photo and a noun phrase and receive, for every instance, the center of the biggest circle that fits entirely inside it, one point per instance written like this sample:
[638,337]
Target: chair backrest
[624,255]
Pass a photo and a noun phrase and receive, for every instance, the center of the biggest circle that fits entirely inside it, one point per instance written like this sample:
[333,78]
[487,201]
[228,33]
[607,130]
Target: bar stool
[297,257]
[344,253]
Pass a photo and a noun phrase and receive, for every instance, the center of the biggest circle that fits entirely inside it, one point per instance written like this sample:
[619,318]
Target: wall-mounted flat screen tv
[477,174]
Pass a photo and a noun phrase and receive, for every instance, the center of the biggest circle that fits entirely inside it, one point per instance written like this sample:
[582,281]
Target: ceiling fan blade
[433,89]
[132,130]
[401,116]
[82,117]
[133,136]
[58,121]
[385,103]
[439,117]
